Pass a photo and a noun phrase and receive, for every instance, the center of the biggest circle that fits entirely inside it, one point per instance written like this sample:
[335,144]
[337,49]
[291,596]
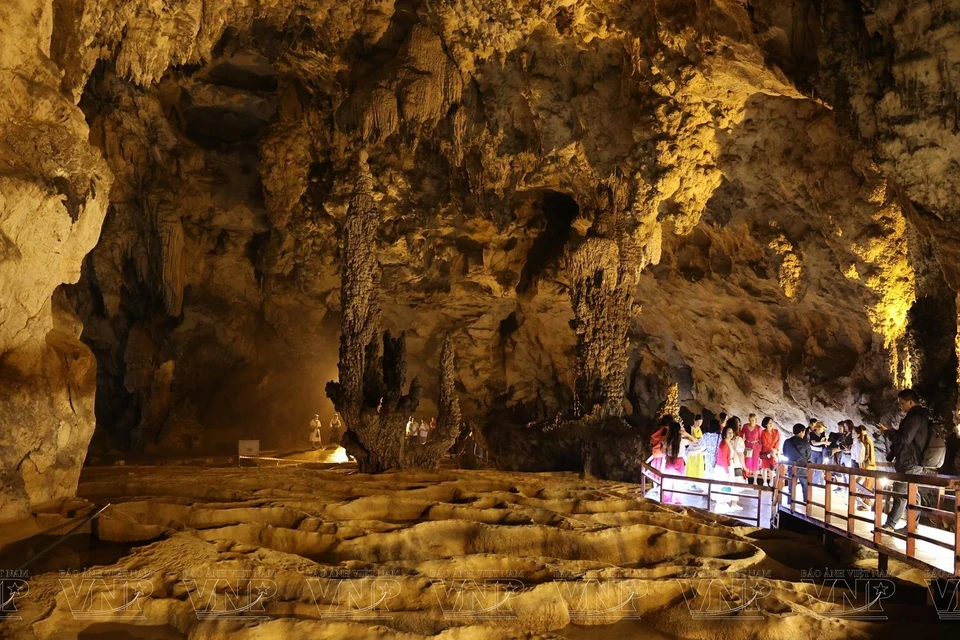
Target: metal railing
[755,493]
[866,485]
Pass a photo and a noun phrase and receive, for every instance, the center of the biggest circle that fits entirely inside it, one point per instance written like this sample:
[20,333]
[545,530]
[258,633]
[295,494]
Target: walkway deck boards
[926,554]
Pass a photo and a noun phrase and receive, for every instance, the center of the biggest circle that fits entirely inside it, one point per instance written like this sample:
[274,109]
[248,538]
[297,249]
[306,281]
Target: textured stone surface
[53,196]
[488,141]
[785,198]
[430,554]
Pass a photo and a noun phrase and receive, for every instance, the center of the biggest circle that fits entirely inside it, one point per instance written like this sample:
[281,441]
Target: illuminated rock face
[53,197]
[777,263]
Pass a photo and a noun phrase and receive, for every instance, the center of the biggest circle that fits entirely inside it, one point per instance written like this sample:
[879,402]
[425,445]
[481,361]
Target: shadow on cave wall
[932,327]
[559,210]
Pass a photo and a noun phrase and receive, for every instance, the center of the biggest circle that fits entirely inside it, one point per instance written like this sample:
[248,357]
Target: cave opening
[559,210]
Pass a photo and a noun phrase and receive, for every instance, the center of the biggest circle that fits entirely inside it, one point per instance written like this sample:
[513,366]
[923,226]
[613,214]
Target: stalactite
[602,305]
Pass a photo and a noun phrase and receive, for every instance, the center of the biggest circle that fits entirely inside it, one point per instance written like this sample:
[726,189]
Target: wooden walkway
[746,502]
[831,504]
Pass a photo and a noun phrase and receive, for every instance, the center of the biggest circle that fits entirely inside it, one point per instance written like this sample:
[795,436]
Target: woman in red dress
[769,451]
[751,447]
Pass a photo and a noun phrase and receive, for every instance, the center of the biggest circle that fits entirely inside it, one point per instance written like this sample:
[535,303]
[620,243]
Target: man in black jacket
[797,450]
[905,449]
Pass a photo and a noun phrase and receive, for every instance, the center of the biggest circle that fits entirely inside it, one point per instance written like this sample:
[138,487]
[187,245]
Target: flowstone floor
[190,551]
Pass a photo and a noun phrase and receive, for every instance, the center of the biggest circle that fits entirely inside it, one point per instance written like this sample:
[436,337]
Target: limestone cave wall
[788,228]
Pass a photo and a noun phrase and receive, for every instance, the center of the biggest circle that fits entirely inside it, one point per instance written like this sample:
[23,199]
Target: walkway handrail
[858,488]
[657,477]
[929,480]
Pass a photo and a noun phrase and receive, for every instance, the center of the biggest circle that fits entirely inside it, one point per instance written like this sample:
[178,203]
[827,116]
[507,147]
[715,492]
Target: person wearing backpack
[798,451]
[914,448]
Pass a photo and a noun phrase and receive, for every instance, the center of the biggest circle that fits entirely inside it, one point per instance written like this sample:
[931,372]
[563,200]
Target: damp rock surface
[460,554]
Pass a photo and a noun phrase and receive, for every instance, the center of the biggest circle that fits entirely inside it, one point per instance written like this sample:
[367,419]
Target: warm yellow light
[885,483]
[338,455]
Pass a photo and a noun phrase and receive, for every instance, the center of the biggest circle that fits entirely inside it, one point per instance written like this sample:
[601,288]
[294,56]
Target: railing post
[851,500]
[877,517]
[956,533]
[709,492]
[827,495]
[808,494]
[911,518]
[793,488]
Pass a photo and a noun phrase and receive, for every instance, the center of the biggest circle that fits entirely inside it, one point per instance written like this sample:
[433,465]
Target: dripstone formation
[595,200]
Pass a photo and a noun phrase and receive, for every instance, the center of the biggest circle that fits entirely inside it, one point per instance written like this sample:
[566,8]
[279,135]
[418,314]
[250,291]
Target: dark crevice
[559,210]
[71,200]
[508,325]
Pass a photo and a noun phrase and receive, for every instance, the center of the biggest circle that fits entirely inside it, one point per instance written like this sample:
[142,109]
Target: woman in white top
[856,453]
[729,465]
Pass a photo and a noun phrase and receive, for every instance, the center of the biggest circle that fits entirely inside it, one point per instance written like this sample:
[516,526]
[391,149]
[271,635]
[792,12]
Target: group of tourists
[734,452]
[316,427]
[752,452]
[419,430]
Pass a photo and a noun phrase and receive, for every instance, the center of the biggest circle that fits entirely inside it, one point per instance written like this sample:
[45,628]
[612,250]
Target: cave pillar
[370,394]
[603,276]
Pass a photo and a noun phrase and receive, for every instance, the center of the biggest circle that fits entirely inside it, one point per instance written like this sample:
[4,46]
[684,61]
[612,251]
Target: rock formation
[371,393]
[440,440]
[416,555]
[789,226]
[54,188]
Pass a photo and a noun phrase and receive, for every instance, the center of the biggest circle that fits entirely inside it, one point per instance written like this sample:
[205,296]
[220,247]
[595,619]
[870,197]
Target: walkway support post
[912,513]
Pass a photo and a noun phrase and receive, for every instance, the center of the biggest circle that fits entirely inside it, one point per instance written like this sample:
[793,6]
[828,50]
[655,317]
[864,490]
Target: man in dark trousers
[797,450]
[905,449]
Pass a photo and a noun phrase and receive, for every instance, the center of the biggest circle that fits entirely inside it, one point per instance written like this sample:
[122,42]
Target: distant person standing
[798,451]
[710,442]
[847,443]
[728,459]
[696,460]
[657,439]
[914,448]
[424,431]
[751,433]
[864,456]
[728,465]
[817,436]
[835,450]
[336,429]
[675,445]
[769,451]
[315,438]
